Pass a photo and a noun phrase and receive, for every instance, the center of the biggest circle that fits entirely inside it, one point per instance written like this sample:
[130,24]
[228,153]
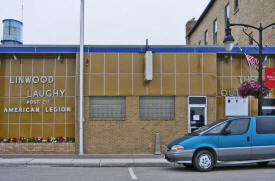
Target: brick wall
[189,25]
[134,135]
[37,148]
[252,12]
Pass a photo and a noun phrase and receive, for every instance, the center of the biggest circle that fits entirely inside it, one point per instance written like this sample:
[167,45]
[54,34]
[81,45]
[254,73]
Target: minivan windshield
[201,129]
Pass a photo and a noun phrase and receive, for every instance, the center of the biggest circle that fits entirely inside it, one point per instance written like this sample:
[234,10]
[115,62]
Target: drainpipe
[81,60]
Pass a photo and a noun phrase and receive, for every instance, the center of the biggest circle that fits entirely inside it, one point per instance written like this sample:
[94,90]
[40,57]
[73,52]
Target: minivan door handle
[248,139]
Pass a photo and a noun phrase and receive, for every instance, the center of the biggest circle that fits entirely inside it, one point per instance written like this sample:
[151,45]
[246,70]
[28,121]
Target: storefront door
[197,113]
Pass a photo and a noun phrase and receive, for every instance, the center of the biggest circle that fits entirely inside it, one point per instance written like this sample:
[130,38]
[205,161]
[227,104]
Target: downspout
[81,118]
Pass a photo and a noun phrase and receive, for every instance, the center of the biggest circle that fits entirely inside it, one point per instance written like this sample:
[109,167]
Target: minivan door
[235,142]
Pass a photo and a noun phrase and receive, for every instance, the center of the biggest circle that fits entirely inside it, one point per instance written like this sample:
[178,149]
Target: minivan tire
[204,161]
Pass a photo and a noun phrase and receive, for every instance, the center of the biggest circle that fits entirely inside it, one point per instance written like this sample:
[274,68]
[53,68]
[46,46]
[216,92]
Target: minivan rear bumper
[182,156]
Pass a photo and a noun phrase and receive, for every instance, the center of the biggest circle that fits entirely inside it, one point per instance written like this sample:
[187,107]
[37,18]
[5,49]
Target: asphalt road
[229,173]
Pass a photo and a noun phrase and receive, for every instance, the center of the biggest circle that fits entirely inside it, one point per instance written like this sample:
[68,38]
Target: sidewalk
[14,160]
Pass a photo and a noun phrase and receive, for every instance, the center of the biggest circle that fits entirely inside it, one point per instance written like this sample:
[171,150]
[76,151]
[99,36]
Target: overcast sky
[107,22]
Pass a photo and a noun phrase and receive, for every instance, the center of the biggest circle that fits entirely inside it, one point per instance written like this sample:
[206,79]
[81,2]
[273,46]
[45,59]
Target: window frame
[109,118]
[266,131]
[225,123]
[229,123]
[268,104]
[156,118]
[215,32]
[226,12]
[206,37]
[236,5]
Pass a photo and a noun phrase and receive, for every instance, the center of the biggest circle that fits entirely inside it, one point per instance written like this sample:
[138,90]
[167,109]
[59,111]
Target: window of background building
[199,43]
[236,5]
[250,38]
[206,37]
[227,12]
[215,32]
[107,107]
[157,107]
[268,106]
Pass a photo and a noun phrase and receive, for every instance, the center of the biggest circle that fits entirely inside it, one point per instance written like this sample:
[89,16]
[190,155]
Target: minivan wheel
[204,161]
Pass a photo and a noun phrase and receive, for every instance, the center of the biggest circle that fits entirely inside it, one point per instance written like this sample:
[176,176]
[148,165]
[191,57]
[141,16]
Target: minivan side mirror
[226,132]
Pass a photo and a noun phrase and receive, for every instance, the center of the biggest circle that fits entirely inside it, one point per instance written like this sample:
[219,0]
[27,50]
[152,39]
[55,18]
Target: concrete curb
[28,162]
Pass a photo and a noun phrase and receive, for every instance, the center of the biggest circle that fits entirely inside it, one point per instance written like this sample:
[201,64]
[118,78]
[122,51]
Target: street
[229,173]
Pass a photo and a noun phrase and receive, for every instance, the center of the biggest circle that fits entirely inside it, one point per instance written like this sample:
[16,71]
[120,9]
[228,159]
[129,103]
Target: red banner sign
[270,77]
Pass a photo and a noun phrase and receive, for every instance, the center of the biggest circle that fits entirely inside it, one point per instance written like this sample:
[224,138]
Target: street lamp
[229,44]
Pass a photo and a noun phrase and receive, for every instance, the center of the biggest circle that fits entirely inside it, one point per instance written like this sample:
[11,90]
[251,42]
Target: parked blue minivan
[238,140]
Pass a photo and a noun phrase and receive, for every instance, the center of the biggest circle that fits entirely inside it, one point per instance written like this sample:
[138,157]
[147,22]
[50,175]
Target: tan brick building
[212,20]
[123,111]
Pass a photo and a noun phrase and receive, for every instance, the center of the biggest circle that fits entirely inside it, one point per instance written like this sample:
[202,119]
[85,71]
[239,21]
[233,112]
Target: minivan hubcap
[204,161]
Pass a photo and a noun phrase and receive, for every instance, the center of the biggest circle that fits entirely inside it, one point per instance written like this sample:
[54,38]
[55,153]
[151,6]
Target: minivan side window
[238,126]
[217,130]
[265,125]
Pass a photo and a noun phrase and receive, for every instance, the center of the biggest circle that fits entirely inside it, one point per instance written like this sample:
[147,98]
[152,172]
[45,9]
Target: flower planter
[37,148]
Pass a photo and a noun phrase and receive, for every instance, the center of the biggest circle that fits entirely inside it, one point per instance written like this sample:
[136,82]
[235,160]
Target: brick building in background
[209,28]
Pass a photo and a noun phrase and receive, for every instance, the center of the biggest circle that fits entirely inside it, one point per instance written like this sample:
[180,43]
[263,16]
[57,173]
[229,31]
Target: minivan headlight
[177,147]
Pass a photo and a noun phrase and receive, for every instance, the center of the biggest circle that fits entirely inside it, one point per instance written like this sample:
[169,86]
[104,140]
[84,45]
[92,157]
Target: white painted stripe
[90,73]
[118,74]
[160,74]
[66,79]
[231,72]
[175,73]
[18,97]
[202,77]
[132,74]
[9,102]
[189,83]
[27,123]
[31,132]
[61,76]
[132,174]
[20,93]
[54,85]
[104,74]
[44,89]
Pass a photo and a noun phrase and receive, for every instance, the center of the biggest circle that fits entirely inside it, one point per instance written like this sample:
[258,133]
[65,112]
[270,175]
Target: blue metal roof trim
[210,49]
[57,50]
[5,49]
[172,49]
[44,49]
[133,49]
